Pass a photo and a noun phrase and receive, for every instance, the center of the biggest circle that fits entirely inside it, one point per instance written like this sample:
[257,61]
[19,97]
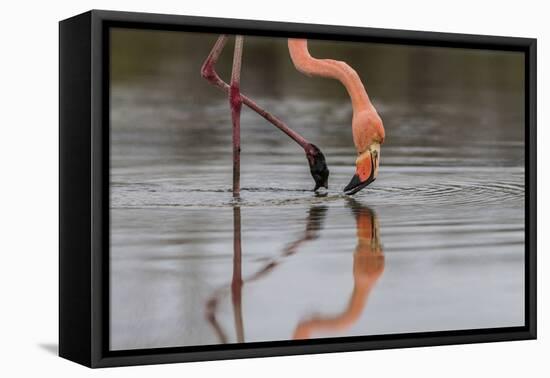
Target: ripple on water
[396,187]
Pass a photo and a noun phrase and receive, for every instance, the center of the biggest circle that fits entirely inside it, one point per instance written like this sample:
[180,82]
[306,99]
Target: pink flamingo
[367,127]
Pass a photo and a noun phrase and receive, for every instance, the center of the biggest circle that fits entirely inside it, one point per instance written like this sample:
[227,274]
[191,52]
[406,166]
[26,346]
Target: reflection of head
[368,260]
[315,219]
[368,266]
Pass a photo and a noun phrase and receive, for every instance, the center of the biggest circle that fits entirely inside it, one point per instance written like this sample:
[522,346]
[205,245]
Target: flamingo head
[317,166]
[368,135]
[366,169]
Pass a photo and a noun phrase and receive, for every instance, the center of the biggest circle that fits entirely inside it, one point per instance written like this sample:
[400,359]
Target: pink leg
[235,101]
[315,157]
[209,73]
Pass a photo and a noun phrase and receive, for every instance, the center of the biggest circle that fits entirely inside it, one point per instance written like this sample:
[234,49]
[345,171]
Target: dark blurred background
[427,96]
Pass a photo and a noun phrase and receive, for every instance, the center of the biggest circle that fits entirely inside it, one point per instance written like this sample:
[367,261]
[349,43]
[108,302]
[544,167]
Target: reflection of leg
[236,287]
[211,308]
[237,282]
[315,220]
[235,101]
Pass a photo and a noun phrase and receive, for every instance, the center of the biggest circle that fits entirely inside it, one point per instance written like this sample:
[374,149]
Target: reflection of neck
[368,266]
[334,69]
[365,276]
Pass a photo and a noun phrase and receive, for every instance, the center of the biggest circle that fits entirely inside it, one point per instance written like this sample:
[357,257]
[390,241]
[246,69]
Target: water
[435,243]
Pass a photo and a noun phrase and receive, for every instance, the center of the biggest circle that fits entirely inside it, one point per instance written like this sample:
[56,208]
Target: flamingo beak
[366,170]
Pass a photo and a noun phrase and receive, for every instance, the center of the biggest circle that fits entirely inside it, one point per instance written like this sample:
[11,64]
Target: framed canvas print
[233,188]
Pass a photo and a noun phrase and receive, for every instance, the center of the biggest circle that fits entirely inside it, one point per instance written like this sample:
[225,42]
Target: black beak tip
[356,184]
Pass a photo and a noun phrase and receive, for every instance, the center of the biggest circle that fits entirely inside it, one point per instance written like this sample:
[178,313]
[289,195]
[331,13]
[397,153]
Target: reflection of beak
[366,172]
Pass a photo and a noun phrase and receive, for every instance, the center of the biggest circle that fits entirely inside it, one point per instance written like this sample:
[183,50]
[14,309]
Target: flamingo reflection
[368,266]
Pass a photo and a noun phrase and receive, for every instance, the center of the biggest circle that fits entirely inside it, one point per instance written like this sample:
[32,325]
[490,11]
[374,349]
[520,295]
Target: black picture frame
[84,188]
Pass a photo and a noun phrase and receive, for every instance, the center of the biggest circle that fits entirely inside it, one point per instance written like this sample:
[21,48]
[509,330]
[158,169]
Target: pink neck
[334,69]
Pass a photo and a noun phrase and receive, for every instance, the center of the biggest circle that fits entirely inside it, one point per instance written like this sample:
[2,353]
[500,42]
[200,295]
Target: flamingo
[367,127]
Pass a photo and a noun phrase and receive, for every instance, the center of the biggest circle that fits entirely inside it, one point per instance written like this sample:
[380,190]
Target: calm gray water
[435,243]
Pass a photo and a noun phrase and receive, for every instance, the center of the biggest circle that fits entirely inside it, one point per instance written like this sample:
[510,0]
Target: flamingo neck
[330,68]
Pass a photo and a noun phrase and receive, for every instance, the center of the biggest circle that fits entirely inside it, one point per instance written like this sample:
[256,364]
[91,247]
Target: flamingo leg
[209,73]
[315,157]
[235,102]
